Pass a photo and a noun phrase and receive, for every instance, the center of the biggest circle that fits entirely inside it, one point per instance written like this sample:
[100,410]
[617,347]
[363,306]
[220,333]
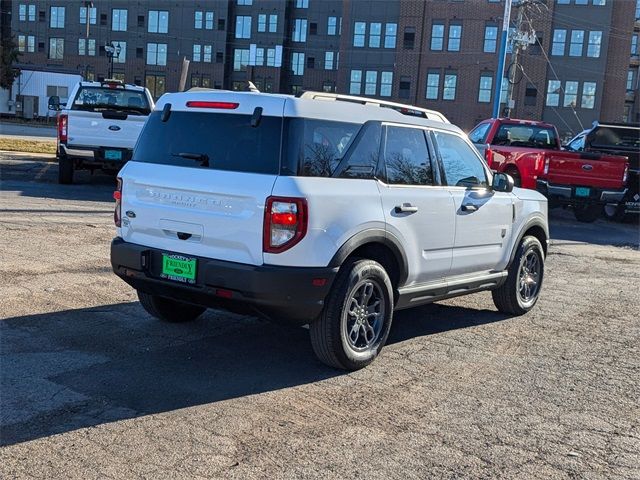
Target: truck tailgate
[588,169]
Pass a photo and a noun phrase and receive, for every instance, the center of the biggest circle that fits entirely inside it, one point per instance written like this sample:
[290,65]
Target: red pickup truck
[531,153]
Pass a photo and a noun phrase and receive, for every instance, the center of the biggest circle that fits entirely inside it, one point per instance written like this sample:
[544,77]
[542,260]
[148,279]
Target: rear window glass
[94,99]
[220,141]
[525,136]
[316,147]
[612,137]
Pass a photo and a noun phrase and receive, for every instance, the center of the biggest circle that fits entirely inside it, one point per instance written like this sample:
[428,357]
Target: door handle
[469,207]
[406,208]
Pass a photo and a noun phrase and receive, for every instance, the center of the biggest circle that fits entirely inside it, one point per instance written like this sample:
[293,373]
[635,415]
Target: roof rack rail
[410,110]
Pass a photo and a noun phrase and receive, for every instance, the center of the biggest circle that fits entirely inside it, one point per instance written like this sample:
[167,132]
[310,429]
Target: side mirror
[502,182]
[54,102]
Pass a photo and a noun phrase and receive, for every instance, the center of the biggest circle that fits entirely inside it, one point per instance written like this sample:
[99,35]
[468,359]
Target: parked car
[327,213]
[99,126]
[615,139]
[531,153]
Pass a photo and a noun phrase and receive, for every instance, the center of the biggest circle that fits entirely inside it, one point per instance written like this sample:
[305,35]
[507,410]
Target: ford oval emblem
[114,128]
[587,167]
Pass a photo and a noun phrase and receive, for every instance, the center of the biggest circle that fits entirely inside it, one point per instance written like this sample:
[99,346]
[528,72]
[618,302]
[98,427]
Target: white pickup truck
[99,126]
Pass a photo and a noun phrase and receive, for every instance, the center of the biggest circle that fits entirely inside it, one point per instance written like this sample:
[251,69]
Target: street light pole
[502,55]
[112,51]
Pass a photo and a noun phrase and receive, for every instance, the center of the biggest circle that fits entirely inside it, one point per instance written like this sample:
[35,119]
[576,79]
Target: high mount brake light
[285,223]
[219,105]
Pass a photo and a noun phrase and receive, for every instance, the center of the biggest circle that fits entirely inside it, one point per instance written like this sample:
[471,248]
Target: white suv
[327,213]
[99,126]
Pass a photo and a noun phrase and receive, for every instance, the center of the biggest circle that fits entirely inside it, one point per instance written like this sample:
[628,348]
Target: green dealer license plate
[113,155]
[582,192]
[178,268]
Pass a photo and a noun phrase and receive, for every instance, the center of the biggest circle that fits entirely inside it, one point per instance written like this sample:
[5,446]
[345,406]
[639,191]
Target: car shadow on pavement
[72,369]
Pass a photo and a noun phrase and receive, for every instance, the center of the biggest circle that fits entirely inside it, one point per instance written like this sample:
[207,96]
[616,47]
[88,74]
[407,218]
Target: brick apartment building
[435,53]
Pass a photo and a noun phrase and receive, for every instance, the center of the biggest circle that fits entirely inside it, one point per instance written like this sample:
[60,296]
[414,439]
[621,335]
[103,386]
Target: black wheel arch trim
[374,235]
[527,226]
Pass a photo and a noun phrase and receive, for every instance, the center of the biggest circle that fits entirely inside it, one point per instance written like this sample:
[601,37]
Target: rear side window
[362,159]
[315,148]
[98,99]
[479,134]
[525,136]
[406,157]
[461,164]
[211,140]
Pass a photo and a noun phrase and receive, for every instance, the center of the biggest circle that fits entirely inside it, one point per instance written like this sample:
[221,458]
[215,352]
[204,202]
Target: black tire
[169,310]
[65,170]
[509,298]
[331,342]
[587,213]
[614,213]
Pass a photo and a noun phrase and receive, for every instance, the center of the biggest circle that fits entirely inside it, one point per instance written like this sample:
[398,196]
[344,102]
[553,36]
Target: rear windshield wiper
[199,157]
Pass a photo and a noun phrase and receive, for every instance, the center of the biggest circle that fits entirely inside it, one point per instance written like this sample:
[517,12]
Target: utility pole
[501,58]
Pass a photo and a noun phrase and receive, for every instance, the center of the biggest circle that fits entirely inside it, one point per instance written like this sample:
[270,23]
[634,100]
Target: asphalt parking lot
[92,387]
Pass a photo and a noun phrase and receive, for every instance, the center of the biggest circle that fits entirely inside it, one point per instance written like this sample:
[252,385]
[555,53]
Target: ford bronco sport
[318,210]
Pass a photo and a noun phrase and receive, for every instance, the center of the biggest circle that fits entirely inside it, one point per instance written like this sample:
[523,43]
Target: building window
[588,95]
[355,84]
[570,94]
[599,2]
[208,20]
[553,93]
[56,48]
[577,39]
[243,26]
[300,30]
[198,21]
[332,23]
[328,60]
[449,87]
[156,85]
[595,42]
[273,23]
[260,56]
[156,53]
[56,17]
[262,23]
[297,63]
[271,57]
[433,85]
[158,21]
[504,89]
[302,3]
[386,82]
[484,91]
[208,50]
[93,15]
[32,13]
[404,88]
[630,75]
[245,2]
[22,43]
[530,95]
[22,13]
[409,40]
[437,36]
[240,59]
[122,57]
[197,53]
[455,35]
[370,83]
[87,47]
[31,43]
[359,31]
[390,35]
[119,20]
[375,34]
[634,44]
[490,38]
[559,40]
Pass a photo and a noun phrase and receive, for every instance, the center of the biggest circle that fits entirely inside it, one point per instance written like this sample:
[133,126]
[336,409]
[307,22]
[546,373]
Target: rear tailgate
[104,129]
[200,176]
[586,169]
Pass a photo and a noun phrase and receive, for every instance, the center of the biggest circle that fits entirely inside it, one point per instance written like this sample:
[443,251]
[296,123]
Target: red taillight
[62,127]
[117,196]
[221,105]
[285,223]
[488,156]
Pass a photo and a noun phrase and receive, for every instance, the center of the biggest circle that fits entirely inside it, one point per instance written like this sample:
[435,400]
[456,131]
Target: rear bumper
[95,156]
[567,193]
[280,293]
